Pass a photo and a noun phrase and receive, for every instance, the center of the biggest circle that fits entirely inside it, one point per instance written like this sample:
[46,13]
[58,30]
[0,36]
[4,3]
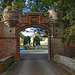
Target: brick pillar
[2,41]
[58,46]
[17,57]
[50,47]
[7,41]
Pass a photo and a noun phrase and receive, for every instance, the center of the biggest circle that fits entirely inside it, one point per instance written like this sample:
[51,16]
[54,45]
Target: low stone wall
[65,62]
[5,63]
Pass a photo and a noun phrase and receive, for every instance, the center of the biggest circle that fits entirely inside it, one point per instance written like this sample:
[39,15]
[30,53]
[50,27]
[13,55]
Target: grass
[32,51]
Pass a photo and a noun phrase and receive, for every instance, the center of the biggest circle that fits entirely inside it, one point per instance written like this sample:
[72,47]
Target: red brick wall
[2,54]
[2,48]
[71,49]
[7,41]
[7,47]
[9,37]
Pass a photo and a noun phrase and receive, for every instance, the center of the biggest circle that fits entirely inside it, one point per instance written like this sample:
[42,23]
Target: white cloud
[27,34]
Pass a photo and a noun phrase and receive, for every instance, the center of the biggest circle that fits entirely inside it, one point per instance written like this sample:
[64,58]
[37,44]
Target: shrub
[25,47]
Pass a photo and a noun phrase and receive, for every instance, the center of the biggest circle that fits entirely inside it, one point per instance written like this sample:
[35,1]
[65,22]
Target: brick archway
[9,36]
[32,20]
[44,26]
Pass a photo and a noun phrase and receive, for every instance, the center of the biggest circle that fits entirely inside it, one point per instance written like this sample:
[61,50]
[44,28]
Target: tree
[21,35]
[20,4]
[69,35]
[68,10]
[66,6]
[26,40]
[45,34]
[37,40]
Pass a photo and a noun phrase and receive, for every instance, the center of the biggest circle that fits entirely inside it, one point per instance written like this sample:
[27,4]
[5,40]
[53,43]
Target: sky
[28,32]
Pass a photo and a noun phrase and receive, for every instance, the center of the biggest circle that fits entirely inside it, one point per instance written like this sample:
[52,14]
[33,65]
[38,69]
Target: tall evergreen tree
[36,40]
[26,40]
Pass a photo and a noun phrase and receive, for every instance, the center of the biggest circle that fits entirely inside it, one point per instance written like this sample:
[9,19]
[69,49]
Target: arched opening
[33,43]
[43,26]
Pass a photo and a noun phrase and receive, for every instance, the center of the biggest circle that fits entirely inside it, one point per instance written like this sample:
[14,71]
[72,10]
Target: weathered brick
[9,37]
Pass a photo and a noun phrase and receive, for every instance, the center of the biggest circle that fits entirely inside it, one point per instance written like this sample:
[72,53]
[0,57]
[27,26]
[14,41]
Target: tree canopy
[66,6]
[20,4]
[68,10]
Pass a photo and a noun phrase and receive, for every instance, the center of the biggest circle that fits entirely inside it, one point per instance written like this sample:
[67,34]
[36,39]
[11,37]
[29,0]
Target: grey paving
[36,64]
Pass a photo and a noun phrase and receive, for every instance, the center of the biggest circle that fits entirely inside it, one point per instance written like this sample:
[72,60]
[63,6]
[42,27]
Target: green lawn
[32,51]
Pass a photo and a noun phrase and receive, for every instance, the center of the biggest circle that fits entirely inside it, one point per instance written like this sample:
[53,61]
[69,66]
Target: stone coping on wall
[5,63]
[65,62]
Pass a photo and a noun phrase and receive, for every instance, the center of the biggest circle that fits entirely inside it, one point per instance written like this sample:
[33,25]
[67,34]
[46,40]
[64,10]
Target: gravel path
[36,64]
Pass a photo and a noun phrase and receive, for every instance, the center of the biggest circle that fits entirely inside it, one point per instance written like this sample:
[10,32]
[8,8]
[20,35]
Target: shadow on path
[34,56]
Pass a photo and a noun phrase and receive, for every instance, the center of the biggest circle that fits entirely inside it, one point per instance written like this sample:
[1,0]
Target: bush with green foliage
[25,47]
